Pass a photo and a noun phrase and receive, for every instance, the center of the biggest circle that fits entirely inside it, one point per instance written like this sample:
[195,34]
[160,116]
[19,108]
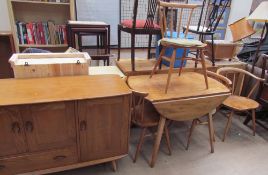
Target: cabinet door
[11,132]
[104,127]
[50,125]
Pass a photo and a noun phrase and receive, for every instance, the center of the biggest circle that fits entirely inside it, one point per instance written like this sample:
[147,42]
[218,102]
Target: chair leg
[227,127]
[212,49]
[194,122]
[167,136]
[158,61]
[114,165]
[254,121]
[211,132]
[171,65]
[119,43]
[204,67]
[182,60]
[139,144]
[149,46]
[133,51]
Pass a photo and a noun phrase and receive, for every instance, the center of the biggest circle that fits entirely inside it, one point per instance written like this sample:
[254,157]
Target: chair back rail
[166,13]
[238,76]
[138,101]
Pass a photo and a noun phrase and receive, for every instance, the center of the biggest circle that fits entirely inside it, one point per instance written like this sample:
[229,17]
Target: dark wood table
[91,28]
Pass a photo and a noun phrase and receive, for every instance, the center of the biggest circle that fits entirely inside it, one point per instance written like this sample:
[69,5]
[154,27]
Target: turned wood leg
[133,51]
[182,60]
[227,127]
[149,46]
[114,165]
[158,61]
[211,132]
[119,43]
[204,67]
[171,66]
[167,136]
[139,144]
[194,122]
[254,121]
[160,130]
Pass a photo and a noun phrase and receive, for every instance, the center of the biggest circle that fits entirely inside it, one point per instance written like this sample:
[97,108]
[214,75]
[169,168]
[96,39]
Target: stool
[91,28]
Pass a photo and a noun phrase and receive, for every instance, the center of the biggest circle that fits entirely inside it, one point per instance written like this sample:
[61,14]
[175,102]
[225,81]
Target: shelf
[43,45]
[41,2]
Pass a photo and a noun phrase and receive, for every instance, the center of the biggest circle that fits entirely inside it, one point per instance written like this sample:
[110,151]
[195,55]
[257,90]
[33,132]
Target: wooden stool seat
[240,103]
[182,42]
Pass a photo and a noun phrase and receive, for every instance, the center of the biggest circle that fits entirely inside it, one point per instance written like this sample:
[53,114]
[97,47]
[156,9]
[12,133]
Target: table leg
[211,132]
[160,130]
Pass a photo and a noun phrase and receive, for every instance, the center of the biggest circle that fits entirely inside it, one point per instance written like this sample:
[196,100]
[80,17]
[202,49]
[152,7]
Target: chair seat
[240,103]
[182,42]
[139,24]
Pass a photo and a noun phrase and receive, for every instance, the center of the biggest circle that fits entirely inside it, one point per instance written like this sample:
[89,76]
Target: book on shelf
[41,33]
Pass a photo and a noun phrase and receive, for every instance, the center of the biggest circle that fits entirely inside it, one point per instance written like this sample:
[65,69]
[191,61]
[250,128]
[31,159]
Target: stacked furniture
[91,28]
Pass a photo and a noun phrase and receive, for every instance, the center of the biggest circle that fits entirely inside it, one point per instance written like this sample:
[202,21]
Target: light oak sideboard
[60,123]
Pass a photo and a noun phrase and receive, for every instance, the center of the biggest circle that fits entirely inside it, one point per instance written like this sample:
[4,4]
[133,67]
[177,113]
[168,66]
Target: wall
[4,19]
[239,9]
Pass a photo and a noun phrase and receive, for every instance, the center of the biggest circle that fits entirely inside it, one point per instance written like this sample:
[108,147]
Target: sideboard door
[49,126]
[11,132]
[104,127]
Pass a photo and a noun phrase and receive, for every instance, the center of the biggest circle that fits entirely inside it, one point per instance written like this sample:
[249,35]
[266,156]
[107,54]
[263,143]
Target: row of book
[43,33]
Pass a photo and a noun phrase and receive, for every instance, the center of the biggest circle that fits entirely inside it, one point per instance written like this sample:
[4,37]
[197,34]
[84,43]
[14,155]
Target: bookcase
[41,12]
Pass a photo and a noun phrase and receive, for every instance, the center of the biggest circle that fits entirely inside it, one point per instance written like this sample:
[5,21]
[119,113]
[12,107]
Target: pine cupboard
[59,123]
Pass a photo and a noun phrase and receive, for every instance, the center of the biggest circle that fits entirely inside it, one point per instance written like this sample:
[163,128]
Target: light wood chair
[144,115]
[197,121]
[236,102]
[166,12]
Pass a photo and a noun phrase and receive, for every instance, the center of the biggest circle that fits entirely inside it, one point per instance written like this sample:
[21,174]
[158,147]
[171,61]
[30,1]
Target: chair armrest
[220,78]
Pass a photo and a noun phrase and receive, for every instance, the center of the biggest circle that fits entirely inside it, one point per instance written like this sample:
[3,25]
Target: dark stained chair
[136,26]
[209,21]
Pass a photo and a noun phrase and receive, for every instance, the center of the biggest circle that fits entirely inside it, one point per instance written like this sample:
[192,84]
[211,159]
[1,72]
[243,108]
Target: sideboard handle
[59,157]
[29,126]
[16,127]
[2,167]
[83,125]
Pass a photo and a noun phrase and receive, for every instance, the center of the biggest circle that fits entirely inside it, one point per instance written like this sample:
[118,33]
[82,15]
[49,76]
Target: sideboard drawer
[38,161]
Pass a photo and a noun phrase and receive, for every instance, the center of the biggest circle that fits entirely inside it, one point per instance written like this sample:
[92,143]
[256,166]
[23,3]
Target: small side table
[91,28]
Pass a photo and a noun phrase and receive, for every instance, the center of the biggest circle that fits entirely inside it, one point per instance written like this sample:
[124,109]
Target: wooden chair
[197,121]
[176,43]
[209,21]
[236,102]
[136,26]
[144,115]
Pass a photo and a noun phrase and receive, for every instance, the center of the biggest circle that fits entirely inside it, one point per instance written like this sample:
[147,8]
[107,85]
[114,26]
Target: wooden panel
[6,51]
[49,126]
[38,161]
[11,132]
[42,90]
[190,108]
[104,127]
